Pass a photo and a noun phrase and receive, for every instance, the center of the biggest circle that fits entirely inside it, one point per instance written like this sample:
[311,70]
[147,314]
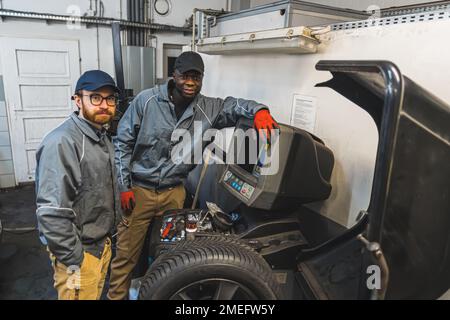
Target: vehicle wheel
[214,270]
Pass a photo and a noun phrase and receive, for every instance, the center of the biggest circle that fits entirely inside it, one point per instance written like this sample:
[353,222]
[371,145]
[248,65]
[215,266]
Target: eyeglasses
[97,99]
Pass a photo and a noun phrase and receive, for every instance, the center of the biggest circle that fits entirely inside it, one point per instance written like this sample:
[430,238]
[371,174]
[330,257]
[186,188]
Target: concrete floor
[25,269]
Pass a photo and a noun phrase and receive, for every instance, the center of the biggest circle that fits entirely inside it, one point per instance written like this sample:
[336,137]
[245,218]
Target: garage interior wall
[112,8]
[94,46]
[179,13]
[94,43]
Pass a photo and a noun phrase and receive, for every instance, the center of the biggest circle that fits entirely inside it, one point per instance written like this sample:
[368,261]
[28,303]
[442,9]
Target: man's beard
[100,117]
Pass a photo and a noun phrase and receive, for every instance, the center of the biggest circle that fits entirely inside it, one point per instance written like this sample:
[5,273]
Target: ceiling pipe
[92,20]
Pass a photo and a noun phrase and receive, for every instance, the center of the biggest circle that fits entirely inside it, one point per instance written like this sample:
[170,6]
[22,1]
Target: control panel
[243,188]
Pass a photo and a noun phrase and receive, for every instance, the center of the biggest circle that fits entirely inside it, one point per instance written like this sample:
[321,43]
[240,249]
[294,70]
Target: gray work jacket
[145,142]
[76,190]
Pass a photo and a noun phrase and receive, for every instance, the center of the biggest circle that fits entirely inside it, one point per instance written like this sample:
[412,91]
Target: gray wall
[95,46]
[6,163]
[112,7]
[95,50]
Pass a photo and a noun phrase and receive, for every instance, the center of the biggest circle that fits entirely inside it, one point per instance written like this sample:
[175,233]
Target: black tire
[207,238]
[210,269]
[200,238]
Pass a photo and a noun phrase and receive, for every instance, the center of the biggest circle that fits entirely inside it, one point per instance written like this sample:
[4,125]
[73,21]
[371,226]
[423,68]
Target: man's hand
[264,121]
[127,201]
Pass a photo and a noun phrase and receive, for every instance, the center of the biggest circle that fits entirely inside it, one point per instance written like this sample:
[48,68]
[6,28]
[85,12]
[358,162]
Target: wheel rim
[214,289]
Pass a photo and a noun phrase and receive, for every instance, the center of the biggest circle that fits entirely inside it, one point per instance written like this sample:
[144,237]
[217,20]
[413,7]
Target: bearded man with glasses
[77,196]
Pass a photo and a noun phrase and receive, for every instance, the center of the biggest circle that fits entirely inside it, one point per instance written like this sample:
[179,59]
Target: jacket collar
[85,127]
[164,91]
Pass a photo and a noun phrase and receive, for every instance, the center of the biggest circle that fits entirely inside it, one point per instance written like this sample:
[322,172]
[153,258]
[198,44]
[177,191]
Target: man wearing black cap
[77,194]
[150,182]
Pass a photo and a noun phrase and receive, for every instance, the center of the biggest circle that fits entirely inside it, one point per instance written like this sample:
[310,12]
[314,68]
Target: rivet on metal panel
[307,32]
[289,33]
[252,37]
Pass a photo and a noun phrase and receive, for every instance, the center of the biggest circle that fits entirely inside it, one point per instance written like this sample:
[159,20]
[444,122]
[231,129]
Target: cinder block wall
[6,163]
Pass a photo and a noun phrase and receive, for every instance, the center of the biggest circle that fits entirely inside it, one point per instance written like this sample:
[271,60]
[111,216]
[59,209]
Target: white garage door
[39,76]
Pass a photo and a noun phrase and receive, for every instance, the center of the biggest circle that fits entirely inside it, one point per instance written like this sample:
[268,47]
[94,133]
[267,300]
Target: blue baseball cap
[95,79]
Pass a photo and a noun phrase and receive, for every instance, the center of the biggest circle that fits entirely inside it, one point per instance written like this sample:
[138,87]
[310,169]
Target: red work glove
[127,200]
[264,121]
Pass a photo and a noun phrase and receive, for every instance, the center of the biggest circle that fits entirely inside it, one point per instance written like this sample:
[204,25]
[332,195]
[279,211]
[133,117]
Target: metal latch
[375,249]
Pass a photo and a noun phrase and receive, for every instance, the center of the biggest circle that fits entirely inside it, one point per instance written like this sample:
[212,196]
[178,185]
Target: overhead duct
[92,20]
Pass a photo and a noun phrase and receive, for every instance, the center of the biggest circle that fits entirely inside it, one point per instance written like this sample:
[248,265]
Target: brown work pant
[132,231]
[85,282]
